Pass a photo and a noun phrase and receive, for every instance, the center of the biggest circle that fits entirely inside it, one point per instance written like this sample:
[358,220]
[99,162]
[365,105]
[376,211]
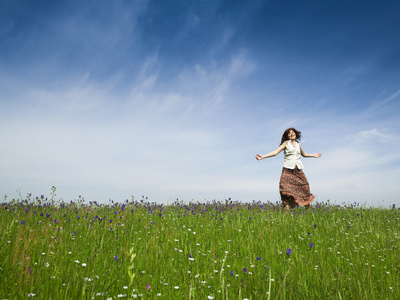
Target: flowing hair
[285,135]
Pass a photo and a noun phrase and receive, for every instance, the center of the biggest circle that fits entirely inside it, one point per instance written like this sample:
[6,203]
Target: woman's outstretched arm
[273,153]
[316,155]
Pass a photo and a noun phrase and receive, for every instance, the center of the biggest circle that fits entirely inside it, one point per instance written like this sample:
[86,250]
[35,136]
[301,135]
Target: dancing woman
[293,184]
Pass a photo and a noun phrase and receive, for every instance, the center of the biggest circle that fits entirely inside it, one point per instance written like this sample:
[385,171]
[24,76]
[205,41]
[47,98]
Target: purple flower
[116,258]
[74,232]
[259,258]
[148,286]
[245,270]
[23,222]
[311,245]
[288,251]
[231,272]
[315,225]
[56,221]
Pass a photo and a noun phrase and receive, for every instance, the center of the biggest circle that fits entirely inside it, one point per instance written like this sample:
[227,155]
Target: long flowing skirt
[294,188]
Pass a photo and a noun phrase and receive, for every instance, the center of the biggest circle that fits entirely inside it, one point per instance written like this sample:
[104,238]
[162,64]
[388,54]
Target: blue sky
[173,99]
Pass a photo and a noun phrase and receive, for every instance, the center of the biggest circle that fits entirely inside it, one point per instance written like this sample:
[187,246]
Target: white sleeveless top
[292,156]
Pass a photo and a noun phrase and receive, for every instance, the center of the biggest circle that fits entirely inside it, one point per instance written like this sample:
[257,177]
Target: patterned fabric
[294,188]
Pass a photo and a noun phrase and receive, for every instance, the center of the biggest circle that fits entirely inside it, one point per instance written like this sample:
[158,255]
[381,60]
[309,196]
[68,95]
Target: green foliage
[213,250]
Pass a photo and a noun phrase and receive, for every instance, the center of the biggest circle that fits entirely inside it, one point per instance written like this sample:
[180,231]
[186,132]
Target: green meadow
[52,249]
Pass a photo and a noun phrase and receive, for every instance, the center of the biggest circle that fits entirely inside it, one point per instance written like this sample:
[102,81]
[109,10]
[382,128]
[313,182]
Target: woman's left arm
[316,155]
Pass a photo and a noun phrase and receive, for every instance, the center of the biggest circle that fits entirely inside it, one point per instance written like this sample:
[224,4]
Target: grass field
[214,250]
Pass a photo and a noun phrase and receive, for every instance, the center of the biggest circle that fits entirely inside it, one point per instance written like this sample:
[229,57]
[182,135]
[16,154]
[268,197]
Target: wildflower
[176,287]
[148,286]
[245,270]
[210,297]
[311,245]
[46,264]
[259,258]
[83,265]
[116,258]
[23,222]
[288,251]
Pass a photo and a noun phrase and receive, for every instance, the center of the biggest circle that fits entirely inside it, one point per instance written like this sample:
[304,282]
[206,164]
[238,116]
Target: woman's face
[291,135]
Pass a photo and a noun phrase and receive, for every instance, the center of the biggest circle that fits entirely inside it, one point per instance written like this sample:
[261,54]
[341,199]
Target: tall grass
[214,250]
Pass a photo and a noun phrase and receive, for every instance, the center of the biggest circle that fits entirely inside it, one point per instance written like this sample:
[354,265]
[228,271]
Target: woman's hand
[259,157]
[317,155]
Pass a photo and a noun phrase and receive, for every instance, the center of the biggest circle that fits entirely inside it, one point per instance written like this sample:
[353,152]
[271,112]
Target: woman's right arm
[273,153]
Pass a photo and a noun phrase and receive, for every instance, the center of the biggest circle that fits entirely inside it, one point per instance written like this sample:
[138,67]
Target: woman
[293,185]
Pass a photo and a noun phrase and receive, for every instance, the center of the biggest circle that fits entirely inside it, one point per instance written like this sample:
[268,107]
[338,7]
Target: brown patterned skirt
[294,188]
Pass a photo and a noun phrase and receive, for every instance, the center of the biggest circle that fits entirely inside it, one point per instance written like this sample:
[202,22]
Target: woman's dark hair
[285,135]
